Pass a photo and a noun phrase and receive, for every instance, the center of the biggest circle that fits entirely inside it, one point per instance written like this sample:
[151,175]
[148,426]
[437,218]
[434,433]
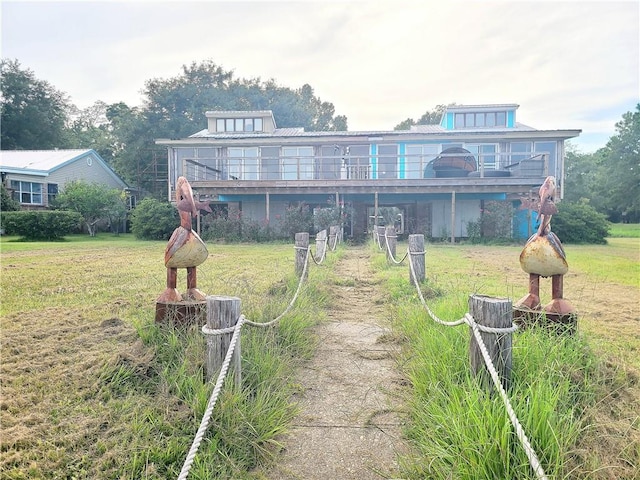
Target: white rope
[476,328]
[531,454]
[324,253]
[391,254]
[184,473]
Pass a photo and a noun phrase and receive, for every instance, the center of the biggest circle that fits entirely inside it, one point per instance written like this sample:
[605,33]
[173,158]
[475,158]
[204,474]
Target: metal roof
[39,160]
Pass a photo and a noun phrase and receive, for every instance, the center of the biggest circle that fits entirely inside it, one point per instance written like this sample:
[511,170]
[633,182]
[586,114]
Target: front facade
[34,177]
[435,177]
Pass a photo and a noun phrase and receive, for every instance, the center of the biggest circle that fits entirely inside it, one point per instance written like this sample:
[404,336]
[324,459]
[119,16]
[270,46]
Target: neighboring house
[34,177]
[436,177]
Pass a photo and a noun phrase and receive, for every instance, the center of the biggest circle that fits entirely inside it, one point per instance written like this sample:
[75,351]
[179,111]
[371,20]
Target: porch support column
[266,197]
[375,209]
[453,217]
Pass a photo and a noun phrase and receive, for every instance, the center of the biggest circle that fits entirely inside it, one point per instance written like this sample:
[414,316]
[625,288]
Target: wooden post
[380,236]
[497,313]
[267,201]
[391,240]
[222,312]
[302,244]
[321,244]
[416,257]
[333,236]
[453,217]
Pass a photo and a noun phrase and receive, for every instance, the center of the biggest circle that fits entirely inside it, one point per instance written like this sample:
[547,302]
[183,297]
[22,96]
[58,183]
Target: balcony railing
[367,168]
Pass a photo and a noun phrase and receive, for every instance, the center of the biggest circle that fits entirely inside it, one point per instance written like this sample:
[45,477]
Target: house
[436,178]
[34,177]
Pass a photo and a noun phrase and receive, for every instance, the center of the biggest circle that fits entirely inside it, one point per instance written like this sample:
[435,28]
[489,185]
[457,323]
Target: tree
[621,177]
[7,204]
[33,112]
[430,117]
[93,201]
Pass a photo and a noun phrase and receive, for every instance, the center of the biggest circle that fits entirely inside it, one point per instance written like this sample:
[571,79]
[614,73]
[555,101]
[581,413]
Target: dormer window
[480,119]
[239,125]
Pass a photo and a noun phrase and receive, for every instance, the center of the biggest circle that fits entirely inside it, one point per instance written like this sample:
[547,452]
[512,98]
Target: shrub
[40,224]
[579,222]
[297,218]
[154,220]
[7,204]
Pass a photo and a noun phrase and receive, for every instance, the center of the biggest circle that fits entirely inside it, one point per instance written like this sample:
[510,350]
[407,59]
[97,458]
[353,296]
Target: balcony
[375,168]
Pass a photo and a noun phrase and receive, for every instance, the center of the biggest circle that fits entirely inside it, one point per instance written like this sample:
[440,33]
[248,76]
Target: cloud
[567,64]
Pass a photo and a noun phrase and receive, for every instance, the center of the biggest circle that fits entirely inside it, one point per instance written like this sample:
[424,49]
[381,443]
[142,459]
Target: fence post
[302,244]
[222,312]
[497,313]
[321,243]
[333,236]
[391,240]
[416,257]
[380,236]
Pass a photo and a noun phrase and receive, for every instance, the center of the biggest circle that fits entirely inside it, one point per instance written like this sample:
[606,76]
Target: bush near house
[154,220]
[579,222]
[40,224]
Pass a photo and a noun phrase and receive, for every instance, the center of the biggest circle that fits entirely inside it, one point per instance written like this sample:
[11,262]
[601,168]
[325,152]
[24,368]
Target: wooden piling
[321,244]
[302,245]
[391,242]
[497,313]
[222,312]
[333,236]
[417,258]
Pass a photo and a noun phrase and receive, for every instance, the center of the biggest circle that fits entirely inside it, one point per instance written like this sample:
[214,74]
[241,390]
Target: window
[480,119]
[52,192]
[520,151]
[239,125]
[417,159]
[243,163]
[27,192]
[297,163]
[484,153]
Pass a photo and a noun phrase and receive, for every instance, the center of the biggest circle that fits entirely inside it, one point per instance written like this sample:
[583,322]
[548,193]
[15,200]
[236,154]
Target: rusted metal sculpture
[543,256]
[185,248]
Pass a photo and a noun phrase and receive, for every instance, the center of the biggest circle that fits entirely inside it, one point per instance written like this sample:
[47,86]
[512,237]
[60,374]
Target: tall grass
[457,429]
[120,396]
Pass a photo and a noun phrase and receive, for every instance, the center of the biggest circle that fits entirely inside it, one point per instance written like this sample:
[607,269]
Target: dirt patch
[350,424]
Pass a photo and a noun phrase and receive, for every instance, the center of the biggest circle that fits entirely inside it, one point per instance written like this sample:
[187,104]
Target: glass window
[479,119]
[297,163]
[469,120]
[501,119]
[490,119]
[219,124]
[239,125]
[520,151]
[257,124]
[248,125]
[243,163]
[27,192]
[459,120]
[52,191]
[417,160]
[228,126]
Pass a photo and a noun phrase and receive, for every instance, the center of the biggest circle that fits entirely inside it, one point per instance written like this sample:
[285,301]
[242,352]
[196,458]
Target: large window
[484,153]
[520,151]
[239,124]
[27,192]
[297,163]
[417,158]
[52,192]
[243,163]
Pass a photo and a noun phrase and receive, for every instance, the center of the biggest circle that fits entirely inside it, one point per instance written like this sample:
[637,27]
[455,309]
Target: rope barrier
[391,254]
[476,329]
[324,253]
[184,473]
[227,360]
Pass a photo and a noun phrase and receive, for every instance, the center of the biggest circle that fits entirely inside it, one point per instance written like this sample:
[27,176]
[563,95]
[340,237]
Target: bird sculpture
[543,256]
[185,248]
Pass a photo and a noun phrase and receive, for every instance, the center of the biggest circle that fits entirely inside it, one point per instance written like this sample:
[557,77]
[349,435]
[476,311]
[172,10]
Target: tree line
[36,115]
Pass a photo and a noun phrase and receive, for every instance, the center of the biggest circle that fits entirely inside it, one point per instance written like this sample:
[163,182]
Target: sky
[568,65]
